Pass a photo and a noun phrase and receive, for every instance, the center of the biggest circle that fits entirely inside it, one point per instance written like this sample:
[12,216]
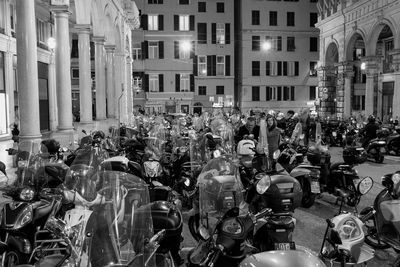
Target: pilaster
[100,77]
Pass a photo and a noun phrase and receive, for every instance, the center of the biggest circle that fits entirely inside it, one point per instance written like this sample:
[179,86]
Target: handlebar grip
[263,213]
[330,223]
[215,258]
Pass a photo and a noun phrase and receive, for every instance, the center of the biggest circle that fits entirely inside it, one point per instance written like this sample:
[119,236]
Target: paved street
[310,222]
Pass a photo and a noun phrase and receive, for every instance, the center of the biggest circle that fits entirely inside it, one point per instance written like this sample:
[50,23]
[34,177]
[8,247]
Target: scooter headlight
[395,178]
[232,226]
[27,194]
[24,218]
[263,184]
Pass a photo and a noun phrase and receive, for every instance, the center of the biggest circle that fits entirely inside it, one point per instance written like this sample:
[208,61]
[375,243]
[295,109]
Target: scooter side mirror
[3,168]
[335,237]
[204,232]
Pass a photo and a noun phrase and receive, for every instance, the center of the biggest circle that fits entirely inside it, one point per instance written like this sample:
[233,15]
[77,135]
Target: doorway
[387,100]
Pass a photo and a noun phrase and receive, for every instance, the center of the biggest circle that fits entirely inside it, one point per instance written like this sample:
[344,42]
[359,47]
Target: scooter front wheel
[13,258]
[372,236]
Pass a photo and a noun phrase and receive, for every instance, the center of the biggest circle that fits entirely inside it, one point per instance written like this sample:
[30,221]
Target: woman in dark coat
[273,135]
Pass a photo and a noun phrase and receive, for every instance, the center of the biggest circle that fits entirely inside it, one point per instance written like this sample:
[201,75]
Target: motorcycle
[28,205]
[376,148]
[343,242]
[383,227]
[393,142]
[291,155]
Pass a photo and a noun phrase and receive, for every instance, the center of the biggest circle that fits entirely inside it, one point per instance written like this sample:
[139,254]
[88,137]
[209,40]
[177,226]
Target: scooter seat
[341,193]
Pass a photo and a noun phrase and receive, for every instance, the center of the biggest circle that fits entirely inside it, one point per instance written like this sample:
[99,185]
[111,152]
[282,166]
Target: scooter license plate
[334,134]
[315,187]
[285,246]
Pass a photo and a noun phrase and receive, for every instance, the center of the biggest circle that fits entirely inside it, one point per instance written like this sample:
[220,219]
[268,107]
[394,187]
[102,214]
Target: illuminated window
[153,22]
[183,22]
[220,65]
[184,82]
[220,33]
[202,65]
[153,82]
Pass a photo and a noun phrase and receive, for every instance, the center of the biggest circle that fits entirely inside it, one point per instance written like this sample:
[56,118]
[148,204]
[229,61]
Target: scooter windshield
[79,177]
[224,130]
[126,228]
[220,189]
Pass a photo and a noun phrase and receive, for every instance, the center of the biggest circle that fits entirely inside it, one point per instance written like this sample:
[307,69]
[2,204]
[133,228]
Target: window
[313,44]
[202,7]
[201,33]
[202,90]
[255,17]
[153,49]
[288,93]
[137,82]
[284,68]
[2,18]
[271,93]
[74,73]
[183,53]
[185,82]
[220,65]
[255,93]
[220,90]
[220,33]
[273,18]
[313,1]
[136,51]
[153,82]
[255,43]
[155,1]
[183,22]
[13,16]
[152,22]
[290,19]
[255,68]
[220,7]
[184,2]
[313,19]
[359,102]
[291,46]
[273,66]
[41,33]
[293,68]
[313,92]
[313,70]
[276,42]
[202,65]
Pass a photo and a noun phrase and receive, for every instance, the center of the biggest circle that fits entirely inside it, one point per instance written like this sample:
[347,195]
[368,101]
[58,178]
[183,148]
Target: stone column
[111,99]
[63,69]
[379,98]
[27,70]
[129,93]
[396,94]
[52,94]
[85,81]
[348,88]
[326,90]
[339,96]
[120,96]
[370,70]
[100,78]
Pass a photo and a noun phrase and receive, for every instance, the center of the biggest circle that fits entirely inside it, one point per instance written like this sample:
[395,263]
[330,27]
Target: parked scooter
[376,149]
[343,242]
[383,229]
[393,142]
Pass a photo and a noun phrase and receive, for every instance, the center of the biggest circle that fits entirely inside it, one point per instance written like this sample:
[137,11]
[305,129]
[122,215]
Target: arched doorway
[197,108]
[327,92]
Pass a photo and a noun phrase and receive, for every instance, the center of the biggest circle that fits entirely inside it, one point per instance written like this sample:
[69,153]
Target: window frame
[290,22]
[153,50]
[275,17]
[255,93]
[312,43]
[184,81]
[219,4]
[152,22]
[255,20]
[220,66]
[220,33]
[153,81]
[202,65]
[218,89]
[202,90]
[202,5]
[292,47]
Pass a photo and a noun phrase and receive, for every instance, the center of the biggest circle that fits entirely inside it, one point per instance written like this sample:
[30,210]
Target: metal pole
[119,104]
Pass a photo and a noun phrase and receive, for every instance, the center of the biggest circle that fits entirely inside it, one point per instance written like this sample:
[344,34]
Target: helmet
[371,118]
[314,155]
[51,145]
[98,134]
[272,113]
[280,116]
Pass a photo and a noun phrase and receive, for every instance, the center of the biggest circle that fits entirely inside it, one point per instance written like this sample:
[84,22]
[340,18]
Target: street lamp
[266,46]
[51,43]
[185,46]
[363,66]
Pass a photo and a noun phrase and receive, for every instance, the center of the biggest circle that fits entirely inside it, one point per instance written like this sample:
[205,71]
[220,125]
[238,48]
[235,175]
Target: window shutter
[160,22]
[279,43]
[201,33]
[160,1]
[145,49]
[279,98]
[192,49]
[191,23]
[177,82]
[279,68]
[176,23]
[160,49]
[296,68]
[191,83]
[143,22]
[227,65]
[285,68]
[214,65]
[161,82]
[227,33]
[267,94]
[195,66]
[292,93]
[209,65]
[267,68]
[213,33]
[176,49]
[146,82]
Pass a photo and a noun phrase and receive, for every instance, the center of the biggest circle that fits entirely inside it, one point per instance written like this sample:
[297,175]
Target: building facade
[278,55]
[185,55]
[35,65]
[359,71]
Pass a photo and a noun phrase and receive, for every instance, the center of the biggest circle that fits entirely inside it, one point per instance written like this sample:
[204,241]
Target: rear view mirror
[3,168]
[204,232]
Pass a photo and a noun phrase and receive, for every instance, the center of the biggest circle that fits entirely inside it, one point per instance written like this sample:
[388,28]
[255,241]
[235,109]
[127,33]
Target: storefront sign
[60,2]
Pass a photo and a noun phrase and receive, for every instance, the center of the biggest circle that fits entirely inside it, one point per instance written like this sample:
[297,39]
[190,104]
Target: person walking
[273,135]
